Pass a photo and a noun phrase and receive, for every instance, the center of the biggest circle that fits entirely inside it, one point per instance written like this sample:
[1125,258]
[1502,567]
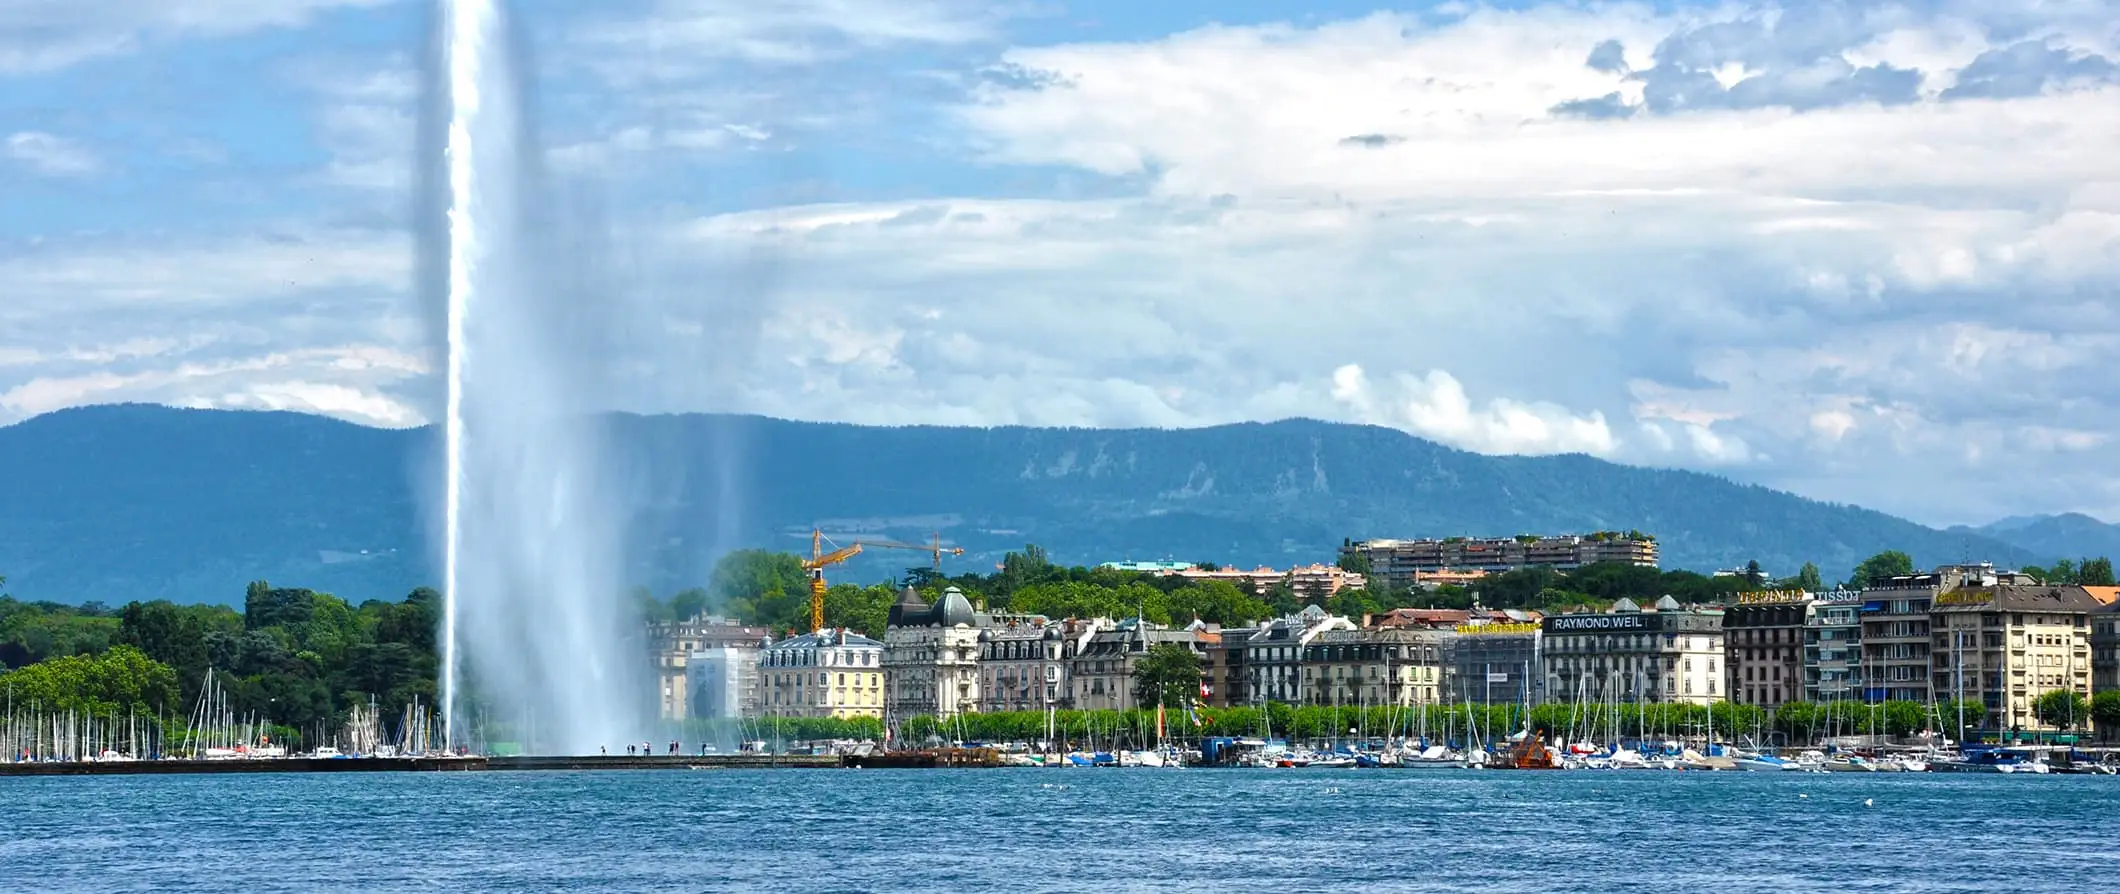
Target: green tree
[2096,572]
[1876,570]
[2105,712]
[1754,575]
[1168,675]
[2062,709]
[1355,562]
[121,679]
[1808,579]
[689,603]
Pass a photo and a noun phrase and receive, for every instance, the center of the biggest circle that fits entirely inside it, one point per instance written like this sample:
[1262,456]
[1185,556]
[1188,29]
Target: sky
[1864,251]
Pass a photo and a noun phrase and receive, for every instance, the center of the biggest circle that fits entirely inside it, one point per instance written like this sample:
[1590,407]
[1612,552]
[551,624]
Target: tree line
[295,657]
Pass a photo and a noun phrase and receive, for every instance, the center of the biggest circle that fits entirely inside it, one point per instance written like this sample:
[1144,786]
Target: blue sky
[1863,250]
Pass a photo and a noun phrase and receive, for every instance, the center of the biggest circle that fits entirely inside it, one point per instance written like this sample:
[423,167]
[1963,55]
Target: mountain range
[113,503]
[2070,535]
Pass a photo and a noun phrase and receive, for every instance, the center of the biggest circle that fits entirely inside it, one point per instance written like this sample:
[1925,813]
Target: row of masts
[213,730]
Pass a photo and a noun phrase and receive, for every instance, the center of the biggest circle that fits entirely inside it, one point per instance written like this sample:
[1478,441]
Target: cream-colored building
[2007,645]
[722,641]
[1372,666]
[830,673]
[931,656]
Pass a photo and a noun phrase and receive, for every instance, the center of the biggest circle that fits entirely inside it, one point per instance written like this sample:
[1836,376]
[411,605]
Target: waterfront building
[1024,661]
[1374,666]
[1223,669]
[829,673]
[1667,654]
[1102,678]
[1399,563]
[931,656]
[1273,655]
[2005,645]
[1896,662]
[2105,647]
[1832,647]
[1495,662]
[1764,647]
[722,641]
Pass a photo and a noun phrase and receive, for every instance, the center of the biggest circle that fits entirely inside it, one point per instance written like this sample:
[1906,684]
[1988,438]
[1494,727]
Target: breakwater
[444,764]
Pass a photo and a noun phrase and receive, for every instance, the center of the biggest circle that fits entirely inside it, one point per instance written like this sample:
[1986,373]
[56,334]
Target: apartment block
[1400,563]
[1832,647]
[2007,645]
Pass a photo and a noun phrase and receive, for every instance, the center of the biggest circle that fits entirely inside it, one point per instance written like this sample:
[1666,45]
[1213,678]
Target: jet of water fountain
[532,622]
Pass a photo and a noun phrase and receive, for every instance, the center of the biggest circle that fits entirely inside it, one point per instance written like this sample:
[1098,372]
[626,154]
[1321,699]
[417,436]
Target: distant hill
[2070,536]
[121,502]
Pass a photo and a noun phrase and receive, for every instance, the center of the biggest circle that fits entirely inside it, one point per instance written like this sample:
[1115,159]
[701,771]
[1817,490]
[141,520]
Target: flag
[1159,721]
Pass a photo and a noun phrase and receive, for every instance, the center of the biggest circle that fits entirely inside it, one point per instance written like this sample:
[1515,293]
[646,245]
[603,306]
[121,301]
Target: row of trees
[1797,722]
[295,657]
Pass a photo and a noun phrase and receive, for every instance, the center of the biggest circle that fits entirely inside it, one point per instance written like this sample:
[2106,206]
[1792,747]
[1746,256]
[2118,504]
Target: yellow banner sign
[1771,596]
[1491,629]
[1965,597]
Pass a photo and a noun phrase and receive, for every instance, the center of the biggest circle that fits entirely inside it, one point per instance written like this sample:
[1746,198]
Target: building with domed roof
[931,656]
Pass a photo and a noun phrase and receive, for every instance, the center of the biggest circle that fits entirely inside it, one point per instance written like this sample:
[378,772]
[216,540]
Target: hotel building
[1764,647]
[1369,667]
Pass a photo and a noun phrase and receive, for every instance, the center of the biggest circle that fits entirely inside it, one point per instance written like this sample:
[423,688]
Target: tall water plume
[534,632]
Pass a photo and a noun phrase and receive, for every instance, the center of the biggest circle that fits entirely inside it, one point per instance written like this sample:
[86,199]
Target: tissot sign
[1600,623]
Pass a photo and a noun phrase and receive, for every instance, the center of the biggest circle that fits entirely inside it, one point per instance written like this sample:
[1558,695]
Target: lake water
[1058,830]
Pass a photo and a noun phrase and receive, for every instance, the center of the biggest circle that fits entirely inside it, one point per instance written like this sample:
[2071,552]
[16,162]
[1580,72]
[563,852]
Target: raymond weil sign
[1599,623]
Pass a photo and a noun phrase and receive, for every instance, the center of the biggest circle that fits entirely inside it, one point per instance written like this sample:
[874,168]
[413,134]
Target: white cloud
[1434,405]
[50,155]
[40,35]
[1874,300]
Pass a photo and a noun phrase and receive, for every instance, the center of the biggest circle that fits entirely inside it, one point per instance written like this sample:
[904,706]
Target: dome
[986,636]
[1667,604]
[1625,605]
[953,609]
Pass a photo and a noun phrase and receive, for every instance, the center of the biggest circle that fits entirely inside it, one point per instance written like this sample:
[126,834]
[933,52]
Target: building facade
[1495,663]
[931,656]
[673,645]
[2105,648]
[2006,645]
[1832,648]
[1668,654]
[1764,647]
[1273,655]
[1223,670]
[829,673]
[1400,563]
[1025,661]
[1103,675]
[1374,666]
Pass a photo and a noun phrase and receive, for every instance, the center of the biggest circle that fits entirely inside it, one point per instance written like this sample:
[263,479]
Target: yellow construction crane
[819,559]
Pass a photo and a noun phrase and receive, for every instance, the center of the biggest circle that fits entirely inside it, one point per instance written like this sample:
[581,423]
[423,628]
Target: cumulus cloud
[1749,237]
[1434,404]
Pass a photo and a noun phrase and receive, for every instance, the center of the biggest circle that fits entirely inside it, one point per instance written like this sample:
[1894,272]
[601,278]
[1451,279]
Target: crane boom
[819,560]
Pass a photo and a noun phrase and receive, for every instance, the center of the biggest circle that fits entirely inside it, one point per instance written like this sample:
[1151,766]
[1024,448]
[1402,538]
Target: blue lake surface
[1058,830]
